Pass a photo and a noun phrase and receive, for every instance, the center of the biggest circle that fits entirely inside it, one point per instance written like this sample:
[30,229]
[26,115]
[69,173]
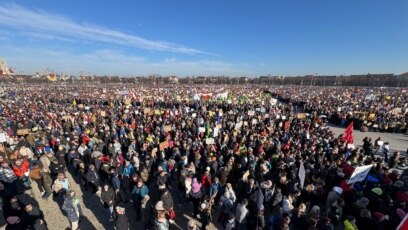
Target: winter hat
[377,191]
[159,206]
[266,184]
[338,190]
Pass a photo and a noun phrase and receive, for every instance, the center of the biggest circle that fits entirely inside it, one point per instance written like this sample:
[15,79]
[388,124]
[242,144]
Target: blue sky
[208,37]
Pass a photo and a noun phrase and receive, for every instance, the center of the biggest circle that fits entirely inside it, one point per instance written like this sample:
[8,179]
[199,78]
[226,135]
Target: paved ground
[398,142]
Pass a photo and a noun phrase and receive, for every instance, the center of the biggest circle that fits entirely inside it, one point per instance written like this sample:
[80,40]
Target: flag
[404,224]
[348,136]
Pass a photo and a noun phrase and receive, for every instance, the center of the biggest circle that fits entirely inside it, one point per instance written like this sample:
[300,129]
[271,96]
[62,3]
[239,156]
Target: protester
[235,146]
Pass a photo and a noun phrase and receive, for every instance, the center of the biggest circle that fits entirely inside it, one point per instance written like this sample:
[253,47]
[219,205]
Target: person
[139,191]
[195,195]
[230,222]
[93,178]
[192,225]
[168,204]
[241,215]
[121,220]
[71,207]
[160,222]
[260,219]
[108,199]
[60,187]
[33,218]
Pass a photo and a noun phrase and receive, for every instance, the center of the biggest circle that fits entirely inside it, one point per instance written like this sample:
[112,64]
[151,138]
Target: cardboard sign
[146,111]
[167,128]
[164,145]
[157,112]
[219,126]
[103,114]
[301,116]
[210,141]
[128,101]
[22,132]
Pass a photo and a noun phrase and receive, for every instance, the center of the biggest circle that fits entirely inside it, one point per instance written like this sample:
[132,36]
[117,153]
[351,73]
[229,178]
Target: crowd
[234,156]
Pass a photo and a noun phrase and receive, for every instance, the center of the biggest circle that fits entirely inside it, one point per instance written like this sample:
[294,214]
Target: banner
[302,174]
[359,174]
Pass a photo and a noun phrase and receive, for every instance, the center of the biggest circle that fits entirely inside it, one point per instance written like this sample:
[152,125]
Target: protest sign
[167,128]
[301,116]
[201,129]
[164,145]
[359,174]
[209,141]
[251,113]
[22,132]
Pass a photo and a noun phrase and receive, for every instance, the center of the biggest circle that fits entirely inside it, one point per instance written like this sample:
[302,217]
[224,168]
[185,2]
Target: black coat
[121,222]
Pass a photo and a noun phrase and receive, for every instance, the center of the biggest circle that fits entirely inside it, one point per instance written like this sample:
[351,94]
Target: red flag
[404,224]
[348,136]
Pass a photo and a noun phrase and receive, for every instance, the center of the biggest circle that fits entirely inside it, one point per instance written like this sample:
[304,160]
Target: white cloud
[109,62]
[41,22]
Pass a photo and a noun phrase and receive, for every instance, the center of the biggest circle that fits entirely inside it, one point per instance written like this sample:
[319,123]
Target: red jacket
[205,181]
[19,171]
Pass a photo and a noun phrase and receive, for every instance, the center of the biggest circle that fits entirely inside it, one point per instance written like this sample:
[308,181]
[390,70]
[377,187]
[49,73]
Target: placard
[359,174]
[209,141]
[301,116]
[167,128]
[251,113]
[157,112]
[22,132]
[3,137]
[164,145]
[201,129]
[103,114]
[216,131]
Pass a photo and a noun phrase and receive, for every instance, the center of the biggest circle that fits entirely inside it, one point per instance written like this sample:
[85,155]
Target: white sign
[251,113]
[201,129]
[359,174]
[302,174]
[273,101]
[216,131]
[209,141]
[3,137]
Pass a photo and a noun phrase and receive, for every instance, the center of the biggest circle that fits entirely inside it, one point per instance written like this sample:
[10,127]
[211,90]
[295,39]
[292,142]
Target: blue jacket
[139,193]
[128,171]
